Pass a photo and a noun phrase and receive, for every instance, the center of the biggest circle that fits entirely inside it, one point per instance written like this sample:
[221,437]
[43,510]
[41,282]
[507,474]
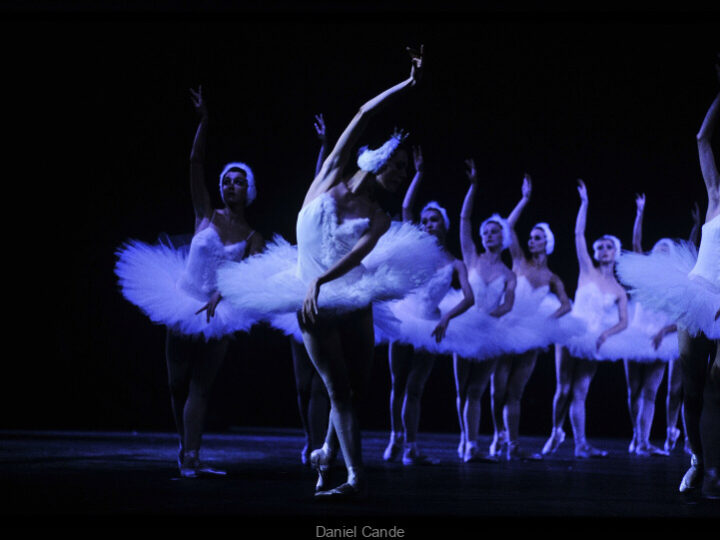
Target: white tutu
[171,284]
[273,285]
[476,335]
[659,280]
[599,311]
[418,315]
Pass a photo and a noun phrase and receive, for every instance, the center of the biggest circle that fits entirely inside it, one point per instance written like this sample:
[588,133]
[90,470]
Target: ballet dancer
[687,289]
[513,372]
[602,303]
[179,290]
[313,402]
[424,329]
[348,256]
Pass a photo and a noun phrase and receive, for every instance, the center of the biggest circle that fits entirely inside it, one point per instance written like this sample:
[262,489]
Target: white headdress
[615,240]
[549,237]
[373,160]
[251,190]
[434,205]
[506,238]
[669,244]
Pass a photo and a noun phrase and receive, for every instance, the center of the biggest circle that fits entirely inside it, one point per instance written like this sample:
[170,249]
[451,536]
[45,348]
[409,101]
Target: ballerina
[687,289]
[673,400]
[494,286]
[423,329]
[348,256]
[602,303]
[178,289]
[643,376]
[313,403]
[513,372]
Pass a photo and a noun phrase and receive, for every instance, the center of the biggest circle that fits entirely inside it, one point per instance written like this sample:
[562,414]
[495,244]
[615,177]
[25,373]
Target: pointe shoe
[672,436]
[513,452]
[633,445]
[394,449]
[711,484]
[344,492]
[585,451]
[554,442]
[192,467]
[320,461]
[461,449]
[413,457]
[473,454]
[498,444]
[645,450]
[692,479]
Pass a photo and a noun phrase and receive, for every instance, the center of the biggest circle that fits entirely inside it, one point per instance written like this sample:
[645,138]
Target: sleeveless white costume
[599,311]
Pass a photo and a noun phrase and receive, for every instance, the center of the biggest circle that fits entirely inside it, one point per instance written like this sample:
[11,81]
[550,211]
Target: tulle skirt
[148,276]
[268,287]
[660,282]
[633,343]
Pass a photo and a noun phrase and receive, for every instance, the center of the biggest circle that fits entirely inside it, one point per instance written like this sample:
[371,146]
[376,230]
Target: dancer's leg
[652,374]
[633,381]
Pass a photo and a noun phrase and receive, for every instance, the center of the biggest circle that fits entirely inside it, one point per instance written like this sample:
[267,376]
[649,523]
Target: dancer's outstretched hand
[416,57]
[526,189]
[199,102]
[319,125]
[582,190]
[310,307]
[471,172]
[640,202]
[440,329]
[210,307]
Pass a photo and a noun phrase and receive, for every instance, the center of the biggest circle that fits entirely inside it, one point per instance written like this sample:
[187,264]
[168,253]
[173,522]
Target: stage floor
[116,479]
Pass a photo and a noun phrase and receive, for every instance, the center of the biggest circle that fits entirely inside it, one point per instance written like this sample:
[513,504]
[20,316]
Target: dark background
[99,114]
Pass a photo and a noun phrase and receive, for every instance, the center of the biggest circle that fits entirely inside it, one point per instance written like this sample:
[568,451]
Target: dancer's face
[431,221]
[492,235]
[234,187]
[537,241]
[394,173]
[605,251]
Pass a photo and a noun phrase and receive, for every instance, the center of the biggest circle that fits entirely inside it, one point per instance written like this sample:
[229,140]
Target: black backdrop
[98,109]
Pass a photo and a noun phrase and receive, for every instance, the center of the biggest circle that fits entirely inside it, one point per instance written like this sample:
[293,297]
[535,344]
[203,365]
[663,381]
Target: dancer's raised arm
[515,250]
[584,260]
[707,159]
[198,190]
[466,241]
[319,126]
[637,226]
[411,192]
[331,170]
